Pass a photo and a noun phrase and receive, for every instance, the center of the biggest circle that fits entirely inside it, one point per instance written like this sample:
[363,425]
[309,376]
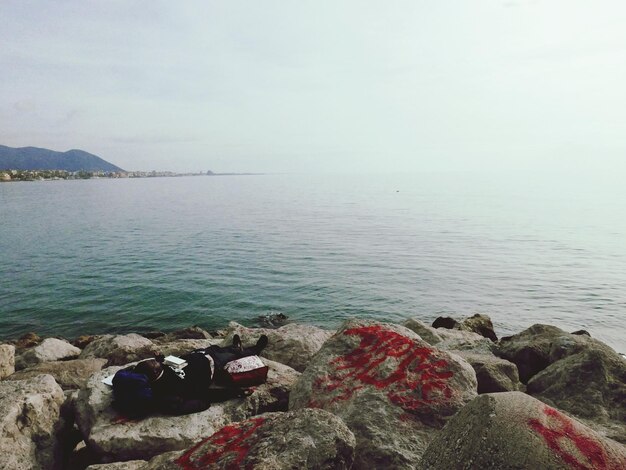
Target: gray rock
[128,465]
[193,332]
[480,324]
[29,423]
[50,349]
[180,347]
[514,431]
[70,375]
[537,347]
[292,344]
[7,360]
[451,339]
[120,349]
[113,437]
[493,373]
[391,388]
[307,439]
[591,385]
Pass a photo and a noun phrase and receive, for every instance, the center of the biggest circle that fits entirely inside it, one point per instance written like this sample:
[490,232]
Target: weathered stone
[272,320]
[514,431]
[445,322]
[493,373]
[69,375]
[128,465]
[29,423]
[391,388]
[292,344]
[590,385]
[28,341]
[50,349]
[114,437]
[181,347]
[7,360]
[537,347]
[82,341]
[120,349]
[193,332]
[451,339]
[581,332]
[304,439]
[480,324]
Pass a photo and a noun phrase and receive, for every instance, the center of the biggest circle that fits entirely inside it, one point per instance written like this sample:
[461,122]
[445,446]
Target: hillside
[33,158]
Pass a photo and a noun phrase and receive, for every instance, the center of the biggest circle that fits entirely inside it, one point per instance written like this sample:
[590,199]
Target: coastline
[417,377]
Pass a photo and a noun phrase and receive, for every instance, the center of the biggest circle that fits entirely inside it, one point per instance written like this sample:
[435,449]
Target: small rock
[514,431]
[70,375]
[581,332]
[128,465]
[272,320]
[49,350]
[193,332]
[480,324]
[305,439]
[445,322]
[28,341]
[120,349]
[391,388]
[82,341]
[7,360]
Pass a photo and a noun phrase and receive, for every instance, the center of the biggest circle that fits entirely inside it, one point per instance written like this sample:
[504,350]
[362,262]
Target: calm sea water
[157,254]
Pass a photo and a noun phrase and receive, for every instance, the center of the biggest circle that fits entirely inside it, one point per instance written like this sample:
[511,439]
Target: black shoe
[237,343]
[261,343]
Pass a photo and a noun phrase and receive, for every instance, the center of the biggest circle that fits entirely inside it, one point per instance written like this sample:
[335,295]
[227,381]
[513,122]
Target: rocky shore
[369,395]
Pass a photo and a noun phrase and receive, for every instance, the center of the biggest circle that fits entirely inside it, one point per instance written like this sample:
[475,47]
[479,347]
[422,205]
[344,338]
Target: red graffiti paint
[418,378]
[579,451]
[229,446]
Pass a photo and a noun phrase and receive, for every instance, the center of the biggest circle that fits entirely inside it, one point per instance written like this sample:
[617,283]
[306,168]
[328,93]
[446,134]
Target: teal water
[157,254]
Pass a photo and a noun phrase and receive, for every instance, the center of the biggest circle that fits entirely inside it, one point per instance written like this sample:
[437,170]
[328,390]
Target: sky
[319,86]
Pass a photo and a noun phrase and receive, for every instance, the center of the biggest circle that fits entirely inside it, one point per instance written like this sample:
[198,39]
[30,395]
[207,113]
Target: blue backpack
[132,394]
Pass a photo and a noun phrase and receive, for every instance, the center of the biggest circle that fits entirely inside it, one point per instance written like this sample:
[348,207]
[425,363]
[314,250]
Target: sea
[135,255]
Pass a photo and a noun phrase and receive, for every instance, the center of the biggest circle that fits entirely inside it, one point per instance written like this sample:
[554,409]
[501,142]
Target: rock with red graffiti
[303,439]
[113,437]
[512,430]
[590,385]
[392,389]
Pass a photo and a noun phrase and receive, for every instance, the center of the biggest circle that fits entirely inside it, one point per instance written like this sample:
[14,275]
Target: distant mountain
[33,158]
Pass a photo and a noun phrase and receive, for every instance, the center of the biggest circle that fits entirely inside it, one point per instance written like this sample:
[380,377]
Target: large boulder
[7,360]
[113,437]
[303,439]
[50,349]
[392,389]
[515,431]
[591,385]
[120,349]
[70,375]
[292,344]
[29,424]
[192,332]
[537,347]
[451,339]
[493,373]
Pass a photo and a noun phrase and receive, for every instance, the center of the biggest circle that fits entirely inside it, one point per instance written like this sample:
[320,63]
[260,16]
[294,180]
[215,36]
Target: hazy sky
[284,86]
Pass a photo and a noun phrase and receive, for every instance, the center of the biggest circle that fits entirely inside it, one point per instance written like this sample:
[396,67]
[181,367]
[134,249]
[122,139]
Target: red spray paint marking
[418,379]
[229,443]
[561,435]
